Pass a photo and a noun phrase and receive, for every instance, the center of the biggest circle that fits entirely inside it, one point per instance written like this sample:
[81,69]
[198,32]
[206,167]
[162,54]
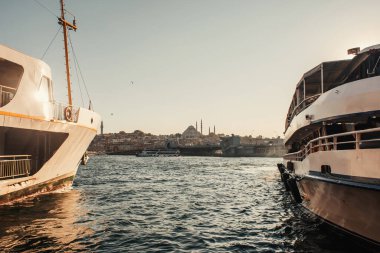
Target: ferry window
[293,105]
[377,68]
[313,84]
[374,65]
[300,94]
[369,67]
[10,77]
[294,102]
[312,88]
[45,92]
[334,73]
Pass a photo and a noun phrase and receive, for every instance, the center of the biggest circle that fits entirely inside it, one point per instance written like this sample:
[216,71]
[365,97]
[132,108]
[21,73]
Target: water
[181,204]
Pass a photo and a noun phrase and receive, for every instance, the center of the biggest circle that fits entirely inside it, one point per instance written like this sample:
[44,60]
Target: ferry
[332,134]
[158,152]
[42,141]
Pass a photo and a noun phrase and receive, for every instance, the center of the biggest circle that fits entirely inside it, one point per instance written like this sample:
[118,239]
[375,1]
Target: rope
[72,48]
[80,72]
[76,72]
[51,42]
[66,11]
[55,36]
[46,8]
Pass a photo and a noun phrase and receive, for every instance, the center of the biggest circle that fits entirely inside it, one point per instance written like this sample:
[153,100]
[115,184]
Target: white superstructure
[332,132]
[39,147]
[42,142]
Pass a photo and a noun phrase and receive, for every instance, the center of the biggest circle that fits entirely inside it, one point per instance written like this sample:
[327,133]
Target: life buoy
[68,113]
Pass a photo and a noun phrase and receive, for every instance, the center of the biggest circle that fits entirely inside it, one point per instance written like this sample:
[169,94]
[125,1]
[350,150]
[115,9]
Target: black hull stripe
[341,181]
[348,116]
[366,180]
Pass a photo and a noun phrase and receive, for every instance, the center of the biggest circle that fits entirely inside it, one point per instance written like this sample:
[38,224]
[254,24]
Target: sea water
[168,204]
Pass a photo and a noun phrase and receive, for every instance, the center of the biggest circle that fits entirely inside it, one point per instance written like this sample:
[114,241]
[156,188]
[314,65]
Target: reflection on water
[49,222]
[180,204]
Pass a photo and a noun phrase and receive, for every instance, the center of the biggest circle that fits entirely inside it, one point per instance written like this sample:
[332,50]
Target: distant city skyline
[160,66]
[211,130]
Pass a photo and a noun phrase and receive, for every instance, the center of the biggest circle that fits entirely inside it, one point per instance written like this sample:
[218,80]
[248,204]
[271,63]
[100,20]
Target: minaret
[101,128]
[209,132]
[201,127]
[196,125]
[214,129]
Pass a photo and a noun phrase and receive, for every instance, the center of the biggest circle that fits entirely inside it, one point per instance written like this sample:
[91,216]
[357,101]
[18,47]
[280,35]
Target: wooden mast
[66,25]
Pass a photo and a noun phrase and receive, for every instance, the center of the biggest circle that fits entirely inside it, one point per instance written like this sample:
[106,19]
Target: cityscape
[191,142]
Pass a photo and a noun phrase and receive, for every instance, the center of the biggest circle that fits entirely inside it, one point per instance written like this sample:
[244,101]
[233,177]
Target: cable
[76,72]
[80,72]
[51,42]
[46,8]
[72,48]
[66,11]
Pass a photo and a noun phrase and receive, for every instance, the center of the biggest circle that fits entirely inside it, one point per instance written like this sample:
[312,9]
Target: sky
[161,65]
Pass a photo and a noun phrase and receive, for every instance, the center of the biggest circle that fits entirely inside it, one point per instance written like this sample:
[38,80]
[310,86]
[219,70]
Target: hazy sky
[233,63]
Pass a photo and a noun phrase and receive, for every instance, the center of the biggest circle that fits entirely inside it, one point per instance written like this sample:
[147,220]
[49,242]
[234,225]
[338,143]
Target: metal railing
[60,112]
[12,166]
[360,139]
[300,107]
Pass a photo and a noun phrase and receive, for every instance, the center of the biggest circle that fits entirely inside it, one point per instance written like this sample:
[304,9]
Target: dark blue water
[179,204]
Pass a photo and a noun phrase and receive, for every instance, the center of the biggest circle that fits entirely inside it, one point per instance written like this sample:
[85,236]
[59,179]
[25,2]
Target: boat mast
[66,25]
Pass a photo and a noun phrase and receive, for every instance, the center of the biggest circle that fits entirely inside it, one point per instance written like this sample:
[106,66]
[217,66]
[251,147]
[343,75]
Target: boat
[158,153]
[42,141]
[332,134]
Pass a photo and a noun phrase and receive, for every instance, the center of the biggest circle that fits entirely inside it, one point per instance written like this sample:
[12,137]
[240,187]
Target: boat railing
[12,166]
[360,139]
[301,106]
[61,112]
[6,94]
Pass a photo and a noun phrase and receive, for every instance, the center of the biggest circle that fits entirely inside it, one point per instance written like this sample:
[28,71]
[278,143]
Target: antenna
[354,50]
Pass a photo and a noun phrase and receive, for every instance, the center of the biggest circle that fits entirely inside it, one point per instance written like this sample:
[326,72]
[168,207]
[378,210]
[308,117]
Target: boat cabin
[329,75]
[26,101]
[345,132]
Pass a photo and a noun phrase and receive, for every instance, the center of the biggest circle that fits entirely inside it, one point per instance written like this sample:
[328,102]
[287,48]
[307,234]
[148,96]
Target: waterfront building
[247,146]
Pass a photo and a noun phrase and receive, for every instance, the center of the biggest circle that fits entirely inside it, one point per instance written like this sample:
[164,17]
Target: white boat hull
[347,196]
[60,170]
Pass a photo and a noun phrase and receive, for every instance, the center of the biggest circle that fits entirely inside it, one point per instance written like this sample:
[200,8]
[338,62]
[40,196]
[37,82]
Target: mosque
[192,132]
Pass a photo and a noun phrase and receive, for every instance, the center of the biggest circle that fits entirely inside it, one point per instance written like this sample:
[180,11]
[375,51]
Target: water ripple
[181,204]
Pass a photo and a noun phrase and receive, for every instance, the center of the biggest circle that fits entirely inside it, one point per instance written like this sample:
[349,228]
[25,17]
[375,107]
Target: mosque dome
[191,132]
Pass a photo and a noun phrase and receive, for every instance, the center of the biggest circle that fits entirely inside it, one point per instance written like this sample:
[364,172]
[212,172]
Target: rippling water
[181,204]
